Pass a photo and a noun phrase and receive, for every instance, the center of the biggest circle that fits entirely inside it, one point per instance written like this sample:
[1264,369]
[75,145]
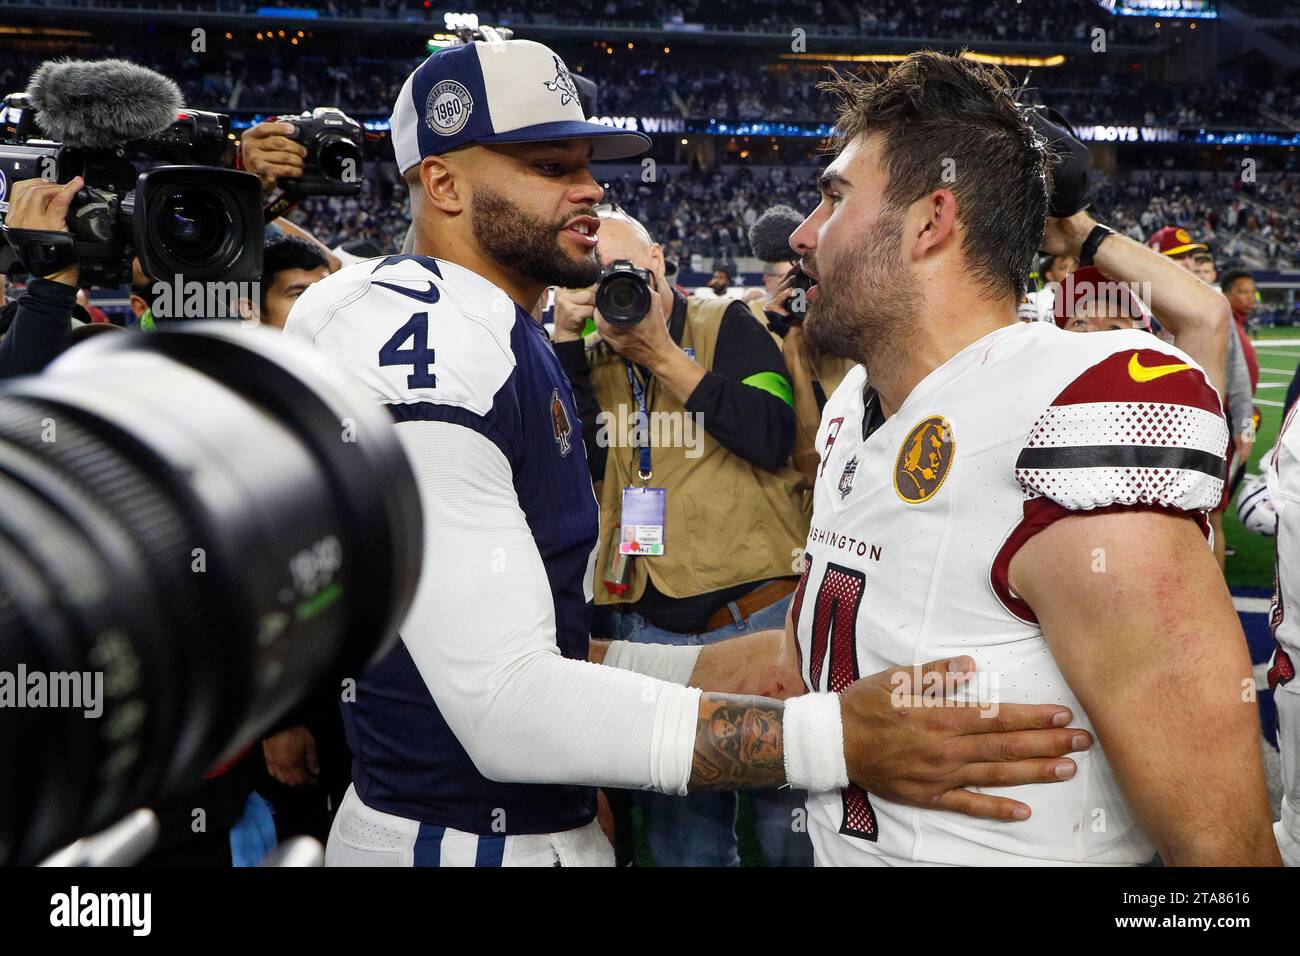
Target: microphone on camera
[769,236]
[101,103]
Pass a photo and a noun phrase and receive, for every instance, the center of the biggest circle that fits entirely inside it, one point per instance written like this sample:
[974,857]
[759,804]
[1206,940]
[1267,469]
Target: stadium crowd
[959,19]
[706,212]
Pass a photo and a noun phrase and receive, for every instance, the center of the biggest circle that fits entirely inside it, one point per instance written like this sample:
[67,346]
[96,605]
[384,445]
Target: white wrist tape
[671,662]
[814,743]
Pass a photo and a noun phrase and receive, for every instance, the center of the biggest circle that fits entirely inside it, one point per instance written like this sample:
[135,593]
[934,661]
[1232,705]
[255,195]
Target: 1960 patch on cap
[447,108]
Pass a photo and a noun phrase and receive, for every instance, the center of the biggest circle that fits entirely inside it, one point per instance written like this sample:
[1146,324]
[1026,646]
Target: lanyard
[642,420]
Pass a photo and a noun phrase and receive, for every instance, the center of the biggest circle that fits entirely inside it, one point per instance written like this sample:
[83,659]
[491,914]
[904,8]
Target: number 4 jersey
[913,531]
[440,344]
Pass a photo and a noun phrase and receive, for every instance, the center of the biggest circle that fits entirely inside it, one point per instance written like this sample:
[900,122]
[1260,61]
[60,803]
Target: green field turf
[1252,565]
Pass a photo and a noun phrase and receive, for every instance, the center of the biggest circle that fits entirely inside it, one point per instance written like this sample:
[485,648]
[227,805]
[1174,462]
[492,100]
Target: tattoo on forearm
[738,744]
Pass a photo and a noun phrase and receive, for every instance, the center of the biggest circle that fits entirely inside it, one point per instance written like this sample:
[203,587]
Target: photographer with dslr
[691,361]
[42,325]
[269,151]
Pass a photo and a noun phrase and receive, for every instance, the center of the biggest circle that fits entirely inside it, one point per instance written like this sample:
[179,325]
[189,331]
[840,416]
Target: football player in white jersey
[1029,497]
[1283,472]
[480,738]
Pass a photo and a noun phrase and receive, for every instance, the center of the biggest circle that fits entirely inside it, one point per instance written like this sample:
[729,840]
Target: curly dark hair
[950,122]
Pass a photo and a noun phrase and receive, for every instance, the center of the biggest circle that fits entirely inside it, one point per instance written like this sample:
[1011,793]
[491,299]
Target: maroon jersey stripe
[1110,380]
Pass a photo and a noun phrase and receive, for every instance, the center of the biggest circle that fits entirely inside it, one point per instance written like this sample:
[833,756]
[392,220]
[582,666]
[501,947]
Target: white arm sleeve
[482,634]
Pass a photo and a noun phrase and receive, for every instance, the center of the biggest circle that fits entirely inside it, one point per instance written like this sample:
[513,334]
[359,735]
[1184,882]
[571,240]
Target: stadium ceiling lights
[1000,59]
[43,31]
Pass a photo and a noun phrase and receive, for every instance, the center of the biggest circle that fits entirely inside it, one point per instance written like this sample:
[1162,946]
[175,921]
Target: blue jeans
[700,829]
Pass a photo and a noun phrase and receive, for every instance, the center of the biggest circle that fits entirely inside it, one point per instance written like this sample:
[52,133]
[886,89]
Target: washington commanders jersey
[438,343]
[916,519]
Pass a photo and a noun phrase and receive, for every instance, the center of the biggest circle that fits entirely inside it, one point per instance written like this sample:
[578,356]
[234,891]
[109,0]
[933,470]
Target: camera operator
[782,309]
[42,324]
[723,570]
[813,377]
[266,151]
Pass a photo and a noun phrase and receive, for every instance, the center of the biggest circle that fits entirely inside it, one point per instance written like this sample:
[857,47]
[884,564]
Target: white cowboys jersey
[913,531]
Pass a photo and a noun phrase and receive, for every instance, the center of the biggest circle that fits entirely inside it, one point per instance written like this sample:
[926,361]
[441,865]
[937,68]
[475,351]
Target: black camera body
[623,294]
[193,220]
[333,164]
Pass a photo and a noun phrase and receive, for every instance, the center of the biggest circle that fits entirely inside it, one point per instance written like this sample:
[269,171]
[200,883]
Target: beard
[866,301]
[527,244]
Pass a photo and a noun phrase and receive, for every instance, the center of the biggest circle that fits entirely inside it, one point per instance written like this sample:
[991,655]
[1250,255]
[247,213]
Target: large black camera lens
[623,295]
[195,224]
[199,529]
[339,158]
[202,224]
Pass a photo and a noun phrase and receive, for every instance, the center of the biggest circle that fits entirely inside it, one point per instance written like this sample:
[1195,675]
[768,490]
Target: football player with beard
[1033,498]
[1011,491]
[480,738]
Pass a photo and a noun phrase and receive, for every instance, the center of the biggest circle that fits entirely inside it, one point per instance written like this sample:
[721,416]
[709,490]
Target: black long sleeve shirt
[41,328]
[751,422]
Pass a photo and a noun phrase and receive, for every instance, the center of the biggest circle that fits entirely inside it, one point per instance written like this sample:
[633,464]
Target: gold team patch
[924,460]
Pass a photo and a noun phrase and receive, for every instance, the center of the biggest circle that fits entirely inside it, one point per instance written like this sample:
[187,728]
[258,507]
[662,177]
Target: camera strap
[43,252]
[277,206]
[642,420]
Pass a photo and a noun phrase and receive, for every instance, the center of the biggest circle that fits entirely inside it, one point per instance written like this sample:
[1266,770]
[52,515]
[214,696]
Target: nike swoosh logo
[1142,373]
[430,295]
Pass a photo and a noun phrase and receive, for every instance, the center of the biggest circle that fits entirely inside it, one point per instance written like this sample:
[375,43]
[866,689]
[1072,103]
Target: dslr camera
[181,218]
[623,294]
[333,164]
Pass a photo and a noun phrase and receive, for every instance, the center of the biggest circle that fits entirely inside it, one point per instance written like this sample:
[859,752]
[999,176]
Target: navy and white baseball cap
[509,91]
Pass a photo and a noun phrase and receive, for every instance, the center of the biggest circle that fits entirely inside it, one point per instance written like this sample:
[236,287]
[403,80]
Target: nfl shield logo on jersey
[846,479]
[560,423]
